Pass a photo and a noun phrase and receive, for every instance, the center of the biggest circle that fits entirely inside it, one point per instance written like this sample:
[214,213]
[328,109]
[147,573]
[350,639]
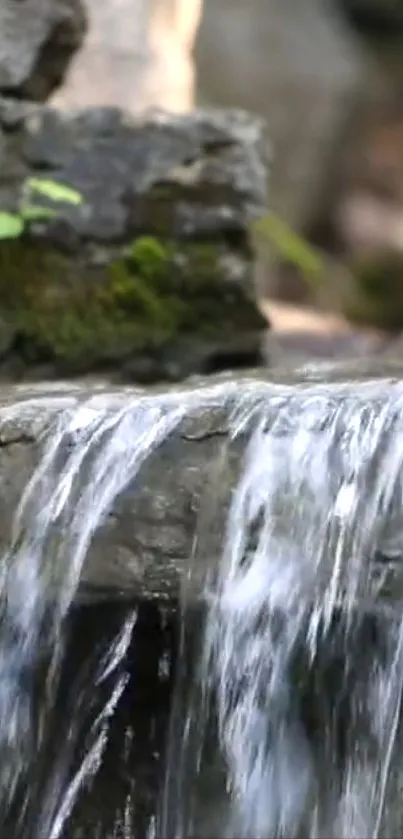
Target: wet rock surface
[143,546]
[151,273]
[37,41]
[125,793]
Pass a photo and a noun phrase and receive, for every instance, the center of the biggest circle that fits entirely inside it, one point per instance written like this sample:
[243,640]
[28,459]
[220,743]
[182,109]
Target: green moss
[69,312]
[377,292]
[149,258]
[201,269]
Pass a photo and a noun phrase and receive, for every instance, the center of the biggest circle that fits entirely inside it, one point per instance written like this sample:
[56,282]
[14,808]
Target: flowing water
[301,669]
[286,715]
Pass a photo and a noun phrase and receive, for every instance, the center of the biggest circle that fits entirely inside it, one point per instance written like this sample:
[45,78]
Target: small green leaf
[33,212]
[11,226]
[54,191]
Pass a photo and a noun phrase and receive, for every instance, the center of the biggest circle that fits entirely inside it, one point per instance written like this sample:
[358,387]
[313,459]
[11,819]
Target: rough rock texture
[156,259]
[138,53]
[37,41]
[255,55]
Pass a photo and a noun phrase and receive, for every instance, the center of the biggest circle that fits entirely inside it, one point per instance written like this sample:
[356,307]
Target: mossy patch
[81,316]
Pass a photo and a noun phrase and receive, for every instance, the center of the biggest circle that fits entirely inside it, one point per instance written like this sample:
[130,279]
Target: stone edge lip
[145,546]
[28,411]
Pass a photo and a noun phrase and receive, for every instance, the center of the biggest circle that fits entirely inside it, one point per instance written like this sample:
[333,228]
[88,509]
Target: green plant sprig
[13,225]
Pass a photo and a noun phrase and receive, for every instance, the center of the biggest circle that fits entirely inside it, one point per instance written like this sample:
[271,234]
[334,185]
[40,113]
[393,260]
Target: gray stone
[206,169]
[191,183]
[37,41]
[295,62]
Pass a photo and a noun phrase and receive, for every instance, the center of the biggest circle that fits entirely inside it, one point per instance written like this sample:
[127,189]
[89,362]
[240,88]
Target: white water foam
[315,523]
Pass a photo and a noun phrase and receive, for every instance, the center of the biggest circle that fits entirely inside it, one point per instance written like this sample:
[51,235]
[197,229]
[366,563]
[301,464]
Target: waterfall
[94,449]
[286,714]
[301,665]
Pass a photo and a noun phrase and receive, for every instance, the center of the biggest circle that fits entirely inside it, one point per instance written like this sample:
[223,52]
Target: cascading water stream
[301,670]
[290,724]
[95,449]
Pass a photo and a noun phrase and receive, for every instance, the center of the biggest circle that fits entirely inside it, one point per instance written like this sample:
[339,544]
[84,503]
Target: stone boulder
[254,55]
[151,272]
[37,41]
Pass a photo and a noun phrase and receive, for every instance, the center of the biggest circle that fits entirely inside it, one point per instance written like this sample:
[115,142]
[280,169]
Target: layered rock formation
[151,270]
[148,270]
[257,56]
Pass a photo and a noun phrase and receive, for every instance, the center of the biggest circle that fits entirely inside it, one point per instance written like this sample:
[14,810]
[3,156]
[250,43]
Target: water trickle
[301,666]
[95,448]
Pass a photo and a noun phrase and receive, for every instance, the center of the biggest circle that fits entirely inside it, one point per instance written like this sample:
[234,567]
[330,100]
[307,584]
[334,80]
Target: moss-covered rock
[376,295]
[153,303]
[150,272]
